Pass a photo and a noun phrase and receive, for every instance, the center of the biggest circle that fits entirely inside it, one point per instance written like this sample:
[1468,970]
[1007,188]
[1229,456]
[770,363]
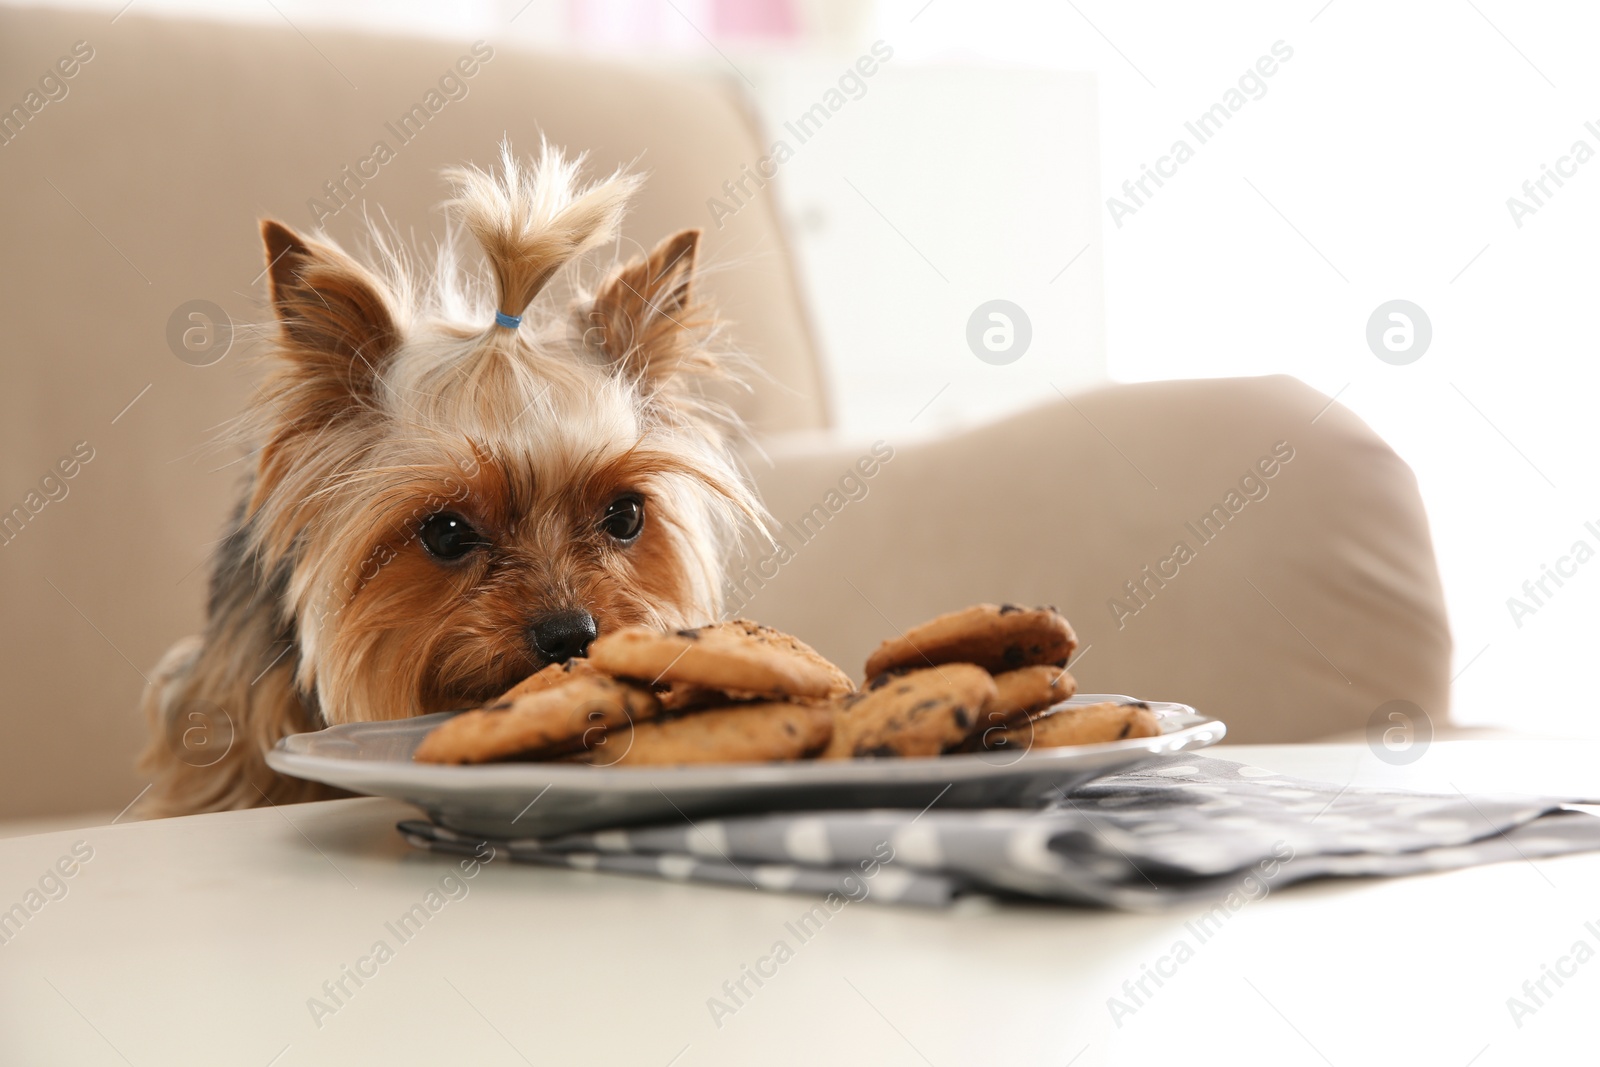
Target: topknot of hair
[532,220]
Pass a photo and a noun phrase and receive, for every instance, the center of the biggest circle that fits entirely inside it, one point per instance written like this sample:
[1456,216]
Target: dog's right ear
[334,313]
[336,329]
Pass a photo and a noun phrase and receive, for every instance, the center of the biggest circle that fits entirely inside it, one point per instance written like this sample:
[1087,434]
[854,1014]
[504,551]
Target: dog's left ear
[645,320]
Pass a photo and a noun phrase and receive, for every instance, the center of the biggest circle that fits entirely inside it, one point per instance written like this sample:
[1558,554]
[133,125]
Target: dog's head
[460,490]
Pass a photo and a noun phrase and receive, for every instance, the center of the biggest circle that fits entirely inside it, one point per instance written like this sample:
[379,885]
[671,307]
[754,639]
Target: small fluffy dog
[451,490]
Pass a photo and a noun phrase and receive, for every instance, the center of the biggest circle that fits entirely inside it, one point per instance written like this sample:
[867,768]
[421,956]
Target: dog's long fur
[392,397]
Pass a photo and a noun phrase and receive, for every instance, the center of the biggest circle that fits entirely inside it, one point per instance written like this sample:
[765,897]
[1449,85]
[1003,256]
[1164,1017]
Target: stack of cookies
[987,677]
[731,692]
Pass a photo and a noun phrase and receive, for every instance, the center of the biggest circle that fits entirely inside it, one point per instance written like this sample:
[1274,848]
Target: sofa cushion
[1299,602]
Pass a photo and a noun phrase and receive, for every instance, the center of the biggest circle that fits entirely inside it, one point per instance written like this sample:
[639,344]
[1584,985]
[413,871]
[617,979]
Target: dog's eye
[624,518]
[449,536]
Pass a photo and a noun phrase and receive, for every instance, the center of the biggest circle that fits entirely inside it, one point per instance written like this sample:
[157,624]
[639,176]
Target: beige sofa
[1306,599]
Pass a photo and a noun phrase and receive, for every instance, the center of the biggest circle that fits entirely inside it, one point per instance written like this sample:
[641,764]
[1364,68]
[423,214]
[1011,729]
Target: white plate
[543,799]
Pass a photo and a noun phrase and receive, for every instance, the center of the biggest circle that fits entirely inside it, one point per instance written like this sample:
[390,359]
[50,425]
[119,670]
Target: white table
[201,940]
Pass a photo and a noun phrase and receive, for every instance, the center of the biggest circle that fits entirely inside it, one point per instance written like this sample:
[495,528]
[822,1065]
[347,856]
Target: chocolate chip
[963,718]
[693,635]
[1007,609]
[1013,656]
[1125,728]
[877,750]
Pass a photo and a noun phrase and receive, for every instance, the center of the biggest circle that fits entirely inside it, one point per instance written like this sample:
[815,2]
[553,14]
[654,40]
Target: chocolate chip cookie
[546,678]
[1019,695]
[920,713]
[1028,689]
[740,658]
[556,719]
[1087,724]
[744,733]
[997,637]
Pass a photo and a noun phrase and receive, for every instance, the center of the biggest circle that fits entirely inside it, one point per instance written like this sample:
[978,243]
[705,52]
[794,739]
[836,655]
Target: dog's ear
[336,329]
[335,317]
[645,320]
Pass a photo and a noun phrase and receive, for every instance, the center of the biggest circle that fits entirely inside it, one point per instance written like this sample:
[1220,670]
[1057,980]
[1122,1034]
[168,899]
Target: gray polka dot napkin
[1191,828]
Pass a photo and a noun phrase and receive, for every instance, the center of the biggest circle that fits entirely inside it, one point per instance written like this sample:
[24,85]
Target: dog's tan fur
[387,401]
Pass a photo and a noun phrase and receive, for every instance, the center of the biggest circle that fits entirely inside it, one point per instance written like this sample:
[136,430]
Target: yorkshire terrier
[452,487]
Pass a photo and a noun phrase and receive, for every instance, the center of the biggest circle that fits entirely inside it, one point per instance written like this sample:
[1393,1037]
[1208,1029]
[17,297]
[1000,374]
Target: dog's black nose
[560,635]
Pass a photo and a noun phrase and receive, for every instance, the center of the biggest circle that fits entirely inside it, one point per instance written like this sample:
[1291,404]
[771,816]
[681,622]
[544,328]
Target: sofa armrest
[1242,545]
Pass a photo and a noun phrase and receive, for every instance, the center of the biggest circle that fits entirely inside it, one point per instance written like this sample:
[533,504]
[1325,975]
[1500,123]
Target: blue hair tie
[510,322]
